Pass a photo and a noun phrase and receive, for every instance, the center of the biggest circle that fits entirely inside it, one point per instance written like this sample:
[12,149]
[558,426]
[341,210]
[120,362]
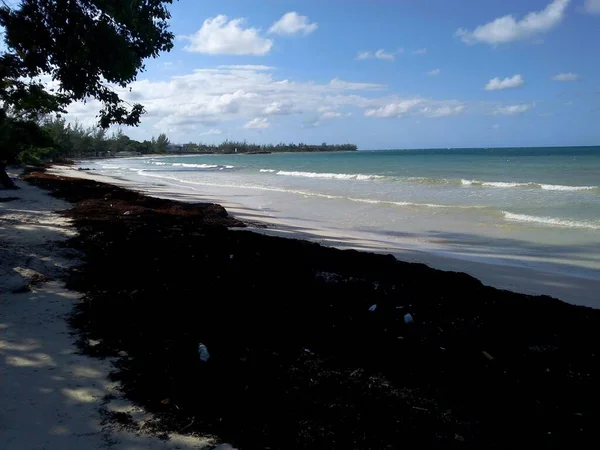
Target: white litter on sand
[203,352]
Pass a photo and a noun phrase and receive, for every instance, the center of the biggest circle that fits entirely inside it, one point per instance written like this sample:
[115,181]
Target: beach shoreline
[503,273]
[311,346]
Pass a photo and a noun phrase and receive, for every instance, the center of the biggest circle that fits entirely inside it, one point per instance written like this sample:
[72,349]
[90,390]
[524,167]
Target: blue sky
[378,73]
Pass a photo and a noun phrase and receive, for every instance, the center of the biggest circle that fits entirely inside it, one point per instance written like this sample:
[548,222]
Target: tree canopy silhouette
[61,51]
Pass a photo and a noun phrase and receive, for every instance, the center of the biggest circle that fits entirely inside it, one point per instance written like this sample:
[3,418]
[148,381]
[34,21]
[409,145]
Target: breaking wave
[331,176]
[551,221]
[531,185]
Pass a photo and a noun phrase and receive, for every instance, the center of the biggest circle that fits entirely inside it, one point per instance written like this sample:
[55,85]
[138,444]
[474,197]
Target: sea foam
[531,185]
[331,176]
[551,221]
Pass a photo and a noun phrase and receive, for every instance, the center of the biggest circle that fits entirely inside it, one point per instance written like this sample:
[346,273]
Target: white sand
[51,397]
[573,289]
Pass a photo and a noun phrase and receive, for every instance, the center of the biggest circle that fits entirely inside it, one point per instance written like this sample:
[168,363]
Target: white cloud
[278,109]
[397,109]
[328,115]
[257,67]
[183,106]
[443,111]
[417,106]
[507,29]
[220,36]
[386,56]
[496,84]
[434,72]
[569,76]
[380,54]
[336,83]
[512,110]
[211,132]
[258,123]
[592,6]
[419,51]
[292,23]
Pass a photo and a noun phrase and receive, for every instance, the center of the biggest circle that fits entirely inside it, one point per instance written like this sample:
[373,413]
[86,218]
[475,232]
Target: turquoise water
[540,205]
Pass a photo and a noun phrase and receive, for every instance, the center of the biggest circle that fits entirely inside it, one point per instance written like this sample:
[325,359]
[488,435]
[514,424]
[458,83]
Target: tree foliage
[247,147]
[162,143]
[60,51]
[76,141]
[84,46]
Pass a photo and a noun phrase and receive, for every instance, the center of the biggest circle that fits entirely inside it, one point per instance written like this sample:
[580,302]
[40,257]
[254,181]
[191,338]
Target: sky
[382,74]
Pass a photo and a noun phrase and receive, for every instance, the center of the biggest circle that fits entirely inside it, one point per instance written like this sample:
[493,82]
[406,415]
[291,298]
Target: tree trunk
[5,179]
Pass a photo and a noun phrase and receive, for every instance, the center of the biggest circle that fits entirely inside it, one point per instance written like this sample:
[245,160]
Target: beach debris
[329,277]
[230,256]
[408,318]
[166,401]
[487,356]
[203,352]
[372,308]
[93,342]
[306,350]
[399,307]
[419,408]
[126,213]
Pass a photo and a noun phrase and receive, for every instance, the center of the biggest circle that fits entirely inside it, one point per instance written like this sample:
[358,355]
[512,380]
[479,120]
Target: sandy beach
[309,346]
[52,396]
[492,268]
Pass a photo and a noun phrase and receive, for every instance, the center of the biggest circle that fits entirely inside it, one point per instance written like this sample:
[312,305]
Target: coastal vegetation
[56,53]
[54,139]
[51,138]
[246,147]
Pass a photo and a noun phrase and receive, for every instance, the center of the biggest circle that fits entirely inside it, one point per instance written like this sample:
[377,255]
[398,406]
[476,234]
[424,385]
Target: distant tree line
[246,147]
[54,139]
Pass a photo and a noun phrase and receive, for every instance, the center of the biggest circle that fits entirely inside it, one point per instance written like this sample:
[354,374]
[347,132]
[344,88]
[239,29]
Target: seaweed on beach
[314,347]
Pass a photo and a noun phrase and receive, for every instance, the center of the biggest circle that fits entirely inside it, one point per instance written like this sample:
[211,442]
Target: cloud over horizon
[258,123]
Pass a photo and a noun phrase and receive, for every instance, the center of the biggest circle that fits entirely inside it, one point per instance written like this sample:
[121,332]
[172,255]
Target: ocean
[529,207]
